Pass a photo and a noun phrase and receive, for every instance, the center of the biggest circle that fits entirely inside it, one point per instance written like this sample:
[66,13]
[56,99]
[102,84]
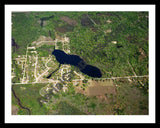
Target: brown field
[101,87]
[69,20]
[97,88]
[101,90]
[101,83]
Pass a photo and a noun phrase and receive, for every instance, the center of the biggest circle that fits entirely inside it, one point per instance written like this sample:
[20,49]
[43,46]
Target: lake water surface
[75,60]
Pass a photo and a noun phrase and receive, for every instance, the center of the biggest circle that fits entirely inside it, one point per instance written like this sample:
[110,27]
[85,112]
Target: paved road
[52,81]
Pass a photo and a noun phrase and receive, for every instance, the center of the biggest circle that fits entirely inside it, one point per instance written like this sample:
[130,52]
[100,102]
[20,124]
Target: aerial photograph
[80,63]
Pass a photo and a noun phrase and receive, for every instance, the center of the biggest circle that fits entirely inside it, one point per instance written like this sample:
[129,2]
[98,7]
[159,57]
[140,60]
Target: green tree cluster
[94,44]
[25,30]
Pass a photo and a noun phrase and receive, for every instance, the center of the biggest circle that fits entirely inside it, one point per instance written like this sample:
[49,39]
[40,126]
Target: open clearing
[101,87]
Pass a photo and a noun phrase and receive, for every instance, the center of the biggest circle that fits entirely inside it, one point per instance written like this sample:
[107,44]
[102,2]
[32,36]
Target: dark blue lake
[75,60]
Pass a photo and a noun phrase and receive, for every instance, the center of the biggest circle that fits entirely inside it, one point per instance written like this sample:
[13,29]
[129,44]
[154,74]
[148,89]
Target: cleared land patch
[101,87]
